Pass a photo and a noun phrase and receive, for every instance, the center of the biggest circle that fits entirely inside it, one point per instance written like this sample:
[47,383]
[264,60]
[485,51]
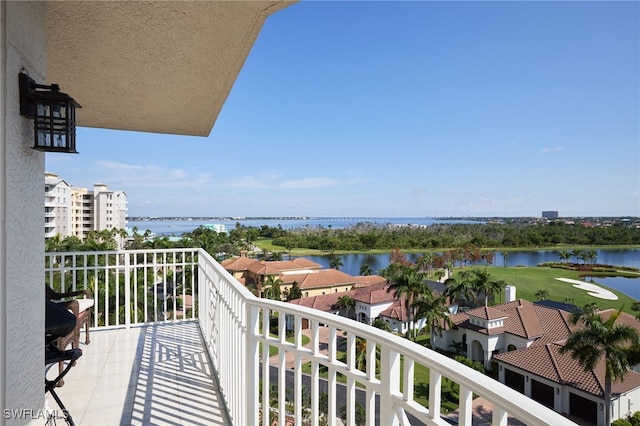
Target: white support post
[298,391]
[331,384]
[465,407]
[127,291]
[498,417]
[315,391]
[435,393]
[252,365]
[389,373]
[408,378]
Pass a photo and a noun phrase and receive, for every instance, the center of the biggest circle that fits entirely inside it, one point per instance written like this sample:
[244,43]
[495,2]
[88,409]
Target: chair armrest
[72,305]
[54,295]
[75,293]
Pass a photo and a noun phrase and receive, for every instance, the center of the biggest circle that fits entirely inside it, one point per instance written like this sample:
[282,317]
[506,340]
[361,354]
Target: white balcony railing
[239,330]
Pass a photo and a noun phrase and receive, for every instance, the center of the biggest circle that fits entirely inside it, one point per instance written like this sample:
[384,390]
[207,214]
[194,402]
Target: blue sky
[404,109]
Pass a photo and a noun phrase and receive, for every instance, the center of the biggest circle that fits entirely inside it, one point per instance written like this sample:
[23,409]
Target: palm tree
[578,254]
[542,294]
[435,312]
[505,258]
[459,289]
[600,339]
[347,303]
[365,269]
[407,283]
[482,284]
[636,308]
[272,287]
[564,255]
[590,255]
[335,262]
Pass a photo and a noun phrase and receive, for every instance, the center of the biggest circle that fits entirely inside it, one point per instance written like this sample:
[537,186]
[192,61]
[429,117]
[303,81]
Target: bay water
[353,262]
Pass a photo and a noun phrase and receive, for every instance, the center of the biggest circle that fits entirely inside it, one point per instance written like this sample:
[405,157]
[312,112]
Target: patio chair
[81,309]
[59,323]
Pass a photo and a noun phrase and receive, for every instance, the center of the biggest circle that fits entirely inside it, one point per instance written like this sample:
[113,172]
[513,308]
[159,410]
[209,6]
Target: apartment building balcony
[180,341]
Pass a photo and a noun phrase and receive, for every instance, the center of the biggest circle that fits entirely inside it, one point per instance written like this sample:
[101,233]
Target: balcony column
[22,44]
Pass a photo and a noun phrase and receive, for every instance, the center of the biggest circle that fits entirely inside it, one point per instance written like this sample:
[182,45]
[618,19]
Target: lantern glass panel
[54,126]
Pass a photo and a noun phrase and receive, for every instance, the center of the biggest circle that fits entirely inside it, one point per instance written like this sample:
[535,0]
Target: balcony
[179,341]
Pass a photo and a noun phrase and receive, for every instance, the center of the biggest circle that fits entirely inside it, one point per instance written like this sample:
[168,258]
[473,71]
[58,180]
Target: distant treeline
[439,236]
[365,236]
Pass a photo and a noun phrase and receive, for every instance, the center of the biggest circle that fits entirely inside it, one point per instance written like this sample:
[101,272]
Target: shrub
[621,422]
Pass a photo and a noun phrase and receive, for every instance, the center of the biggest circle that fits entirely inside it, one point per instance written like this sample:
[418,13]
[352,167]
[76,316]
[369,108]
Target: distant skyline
[401,109]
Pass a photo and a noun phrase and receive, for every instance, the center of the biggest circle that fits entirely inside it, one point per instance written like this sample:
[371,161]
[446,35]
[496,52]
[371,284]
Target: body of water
[629,257]
[178,227]
[352,262]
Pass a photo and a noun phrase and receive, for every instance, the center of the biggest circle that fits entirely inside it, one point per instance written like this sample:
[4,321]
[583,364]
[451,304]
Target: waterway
[353,262]
[178,227]
[628,257]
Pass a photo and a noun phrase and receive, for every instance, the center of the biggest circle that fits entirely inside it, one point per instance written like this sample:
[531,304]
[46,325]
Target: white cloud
[308,183]
[124,176]
[546,149]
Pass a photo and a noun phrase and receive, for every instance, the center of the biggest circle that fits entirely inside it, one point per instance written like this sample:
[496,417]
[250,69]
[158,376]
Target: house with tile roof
[311,278]
[373,300]
[523,341]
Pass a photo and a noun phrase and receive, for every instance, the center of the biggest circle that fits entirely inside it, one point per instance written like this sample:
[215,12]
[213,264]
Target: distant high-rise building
[74,211]
[550,214]
[57,206]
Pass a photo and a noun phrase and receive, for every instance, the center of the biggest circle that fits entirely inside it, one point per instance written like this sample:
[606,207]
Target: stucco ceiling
[161,66]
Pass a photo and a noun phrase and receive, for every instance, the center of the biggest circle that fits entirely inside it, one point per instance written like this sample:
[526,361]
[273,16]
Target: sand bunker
[591,289]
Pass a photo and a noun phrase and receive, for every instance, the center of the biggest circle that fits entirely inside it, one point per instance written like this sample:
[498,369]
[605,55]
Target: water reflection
[629,257]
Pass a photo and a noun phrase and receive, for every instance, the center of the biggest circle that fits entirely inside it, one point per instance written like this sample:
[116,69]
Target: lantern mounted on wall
[53,114]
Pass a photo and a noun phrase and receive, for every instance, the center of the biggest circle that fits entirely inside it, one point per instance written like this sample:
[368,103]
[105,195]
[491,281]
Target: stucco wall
[21,207]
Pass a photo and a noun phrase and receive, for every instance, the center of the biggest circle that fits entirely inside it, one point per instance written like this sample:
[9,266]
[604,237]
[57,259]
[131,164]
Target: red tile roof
[367,280]
[543,357]
[520,316]
[545,360]
[398,311]
[486,312]
[325,302]
[266,267]
[237,263]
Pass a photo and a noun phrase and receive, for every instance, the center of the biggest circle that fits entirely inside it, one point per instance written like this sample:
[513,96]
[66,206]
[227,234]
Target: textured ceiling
[162,66]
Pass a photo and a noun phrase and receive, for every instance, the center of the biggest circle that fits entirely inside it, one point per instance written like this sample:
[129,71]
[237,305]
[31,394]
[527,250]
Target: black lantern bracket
[53,114]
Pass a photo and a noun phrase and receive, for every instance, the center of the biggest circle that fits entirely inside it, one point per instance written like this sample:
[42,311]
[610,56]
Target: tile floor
[153,375]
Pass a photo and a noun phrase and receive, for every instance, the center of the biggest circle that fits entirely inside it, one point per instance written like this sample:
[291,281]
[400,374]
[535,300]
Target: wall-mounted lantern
[53,114]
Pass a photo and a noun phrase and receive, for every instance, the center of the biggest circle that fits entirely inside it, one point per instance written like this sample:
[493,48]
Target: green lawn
[528,280]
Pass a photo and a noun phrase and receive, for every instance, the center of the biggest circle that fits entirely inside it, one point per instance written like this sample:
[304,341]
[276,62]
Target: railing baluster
[498,417]
[435,397]
[236,331]
[465,406]
[127,292]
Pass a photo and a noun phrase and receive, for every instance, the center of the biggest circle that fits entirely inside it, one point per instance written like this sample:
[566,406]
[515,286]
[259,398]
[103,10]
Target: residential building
[373,300]
[218,227]
[523,340]
[57,207]
[310,277]
[75,211]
